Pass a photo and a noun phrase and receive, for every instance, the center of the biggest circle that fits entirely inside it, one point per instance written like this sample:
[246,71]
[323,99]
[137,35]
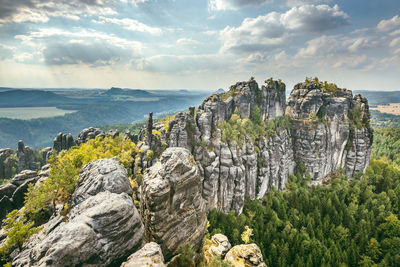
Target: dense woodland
[341,223]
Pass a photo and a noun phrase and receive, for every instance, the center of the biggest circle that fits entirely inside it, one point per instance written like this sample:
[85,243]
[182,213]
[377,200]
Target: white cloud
[182,63]
[134,2]
[395,42]
[273,29]
[315,19]
[388,25]
[6,51]
[59,47]
[305,2]
[237,4]
[234,4]
[130,24]
[41,10]
[187,42]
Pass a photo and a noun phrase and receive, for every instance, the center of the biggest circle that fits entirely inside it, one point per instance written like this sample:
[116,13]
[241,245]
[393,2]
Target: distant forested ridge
[94,108]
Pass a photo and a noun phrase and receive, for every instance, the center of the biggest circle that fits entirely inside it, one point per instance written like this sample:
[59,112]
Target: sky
[198,44]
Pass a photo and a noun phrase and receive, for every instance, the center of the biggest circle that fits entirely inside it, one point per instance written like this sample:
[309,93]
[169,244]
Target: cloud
[181,63]
[187,42]
[305,2]
[59,47]
[134,2]
[273,29]
[234,4]
[41,10]
[388,25]
[6,51]
[314,19]
[130,24]
[94,53]
[237,4]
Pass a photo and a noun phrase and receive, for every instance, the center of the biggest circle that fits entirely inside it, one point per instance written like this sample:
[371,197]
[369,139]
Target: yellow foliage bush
[66,166]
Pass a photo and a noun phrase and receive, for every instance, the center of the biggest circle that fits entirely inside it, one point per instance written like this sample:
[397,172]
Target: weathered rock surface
[101,175]
[63,142]
[324,132]
[8,163]
[220,245]
[322,135]
[89,133]
[245,256]
[149,255]
[26,158]
[12,195]
[173,209]
[103,225]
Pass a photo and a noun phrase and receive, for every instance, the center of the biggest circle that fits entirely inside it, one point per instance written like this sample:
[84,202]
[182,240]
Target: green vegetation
[184,258]
[65,168]
[166,120]
[339,224]
[58,188]
[383,120]
[237,128]
[387,145]
[325,86]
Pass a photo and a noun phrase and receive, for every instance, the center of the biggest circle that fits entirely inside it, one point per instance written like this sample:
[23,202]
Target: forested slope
[341,223]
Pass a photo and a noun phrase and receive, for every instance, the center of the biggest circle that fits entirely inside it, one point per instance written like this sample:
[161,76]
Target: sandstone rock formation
[328,130]
[8,163]
[173,209]
[220,245]
[248,255]
[12,194]
[103,226]
[26,158]
[63,142]
[149,255]
[89,133]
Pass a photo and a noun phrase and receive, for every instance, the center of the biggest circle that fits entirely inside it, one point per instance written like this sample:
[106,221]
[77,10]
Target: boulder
[101,175]
[149,255]
[173,210]
[89,133]
[219,245]
[248,255]
[103,227]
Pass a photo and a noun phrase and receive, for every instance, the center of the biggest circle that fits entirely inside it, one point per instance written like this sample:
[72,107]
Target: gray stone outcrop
[173,209]
[149,255]
[103,226]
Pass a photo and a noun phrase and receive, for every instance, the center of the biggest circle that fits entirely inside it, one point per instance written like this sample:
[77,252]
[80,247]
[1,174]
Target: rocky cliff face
[173,209]
[328,130]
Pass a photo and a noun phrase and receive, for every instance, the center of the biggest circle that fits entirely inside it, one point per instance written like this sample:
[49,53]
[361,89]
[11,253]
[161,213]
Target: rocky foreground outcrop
[149,255]
[103,226]
[173,209]
[248,255]
[325,130]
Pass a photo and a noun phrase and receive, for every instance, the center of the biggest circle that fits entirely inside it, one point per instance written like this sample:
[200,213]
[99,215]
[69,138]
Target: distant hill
[31,98]
[380,97]
[2,89]
[220,91]
[127,92]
